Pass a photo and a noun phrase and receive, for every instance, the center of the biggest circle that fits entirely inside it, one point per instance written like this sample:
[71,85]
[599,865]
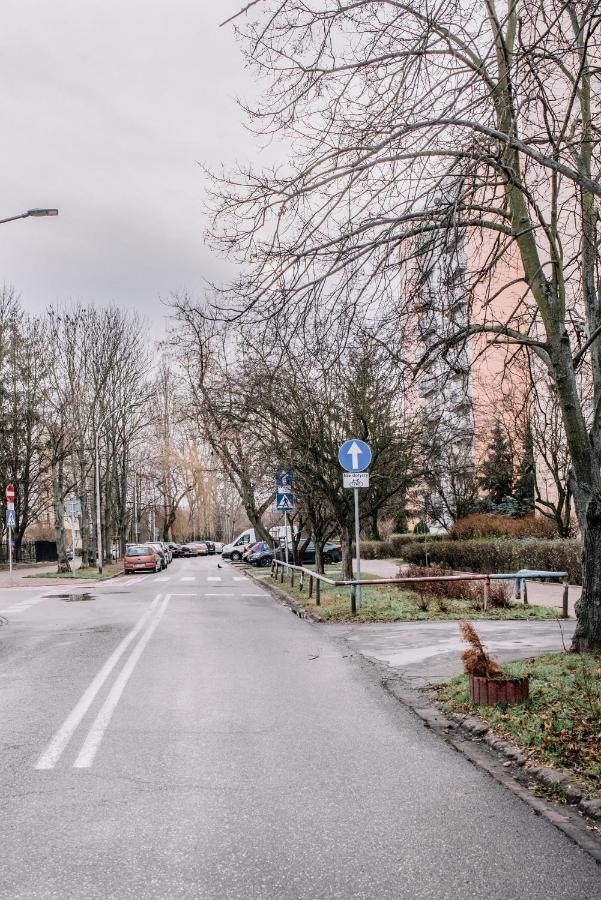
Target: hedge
[393,548]
[402,540]
[488,555]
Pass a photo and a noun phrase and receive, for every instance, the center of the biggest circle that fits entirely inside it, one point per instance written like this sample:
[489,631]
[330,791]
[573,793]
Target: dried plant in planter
[476,660]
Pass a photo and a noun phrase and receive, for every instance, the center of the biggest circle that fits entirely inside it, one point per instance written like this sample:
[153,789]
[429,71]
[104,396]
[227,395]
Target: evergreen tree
[497,468]
[524,487]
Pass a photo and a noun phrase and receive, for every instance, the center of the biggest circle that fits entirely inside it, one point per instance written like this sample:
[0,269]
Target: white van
[234,550]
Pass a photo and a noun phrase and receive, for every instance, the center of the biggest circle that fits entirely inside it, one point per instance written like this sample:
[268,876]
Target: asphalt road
[180,736]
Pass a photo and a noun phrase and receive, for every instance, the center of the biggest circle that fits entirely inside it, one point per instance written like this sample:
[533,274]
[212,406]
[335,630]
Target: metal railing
[279,568]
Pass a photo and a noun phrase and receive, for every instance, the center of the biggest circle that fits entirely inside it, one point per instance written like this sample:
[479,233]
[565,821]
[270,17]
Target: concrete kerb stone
[502,760]
[293,605]
[506,763]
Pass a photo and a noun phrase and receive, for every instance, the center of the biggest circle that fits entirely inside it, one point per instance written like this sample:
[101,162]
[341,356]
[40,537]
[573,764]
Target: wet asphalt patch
[71,598]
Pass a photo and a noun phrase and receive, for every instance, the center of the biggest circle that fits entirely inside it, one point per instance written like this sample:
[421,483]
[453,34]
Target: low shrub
[500,555]
[399,541]
[376,550]
[471,591]
[484,525]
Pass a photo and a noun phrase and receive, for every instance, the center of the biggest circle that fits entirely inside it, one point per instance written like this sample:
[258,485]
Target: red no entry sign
[10,493]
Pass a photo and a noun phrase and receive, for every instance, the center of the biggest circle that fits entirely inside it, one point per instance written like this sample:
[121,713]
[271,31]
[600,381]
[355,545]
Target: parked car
[198,548]
[158,547]
[234,550]
[176,549]
[332,553]
[141,558]
[250,548]
[210,547]
[262,555]
[218,546]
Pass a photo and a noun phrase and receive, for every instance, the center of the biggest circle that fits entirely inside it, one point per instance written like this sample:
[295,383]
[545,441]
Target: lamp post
[35,213]
[101,425]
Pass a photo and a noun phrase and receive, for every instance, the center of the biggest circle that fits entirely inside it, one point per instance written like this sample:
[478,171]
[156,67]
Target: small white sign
[355,479]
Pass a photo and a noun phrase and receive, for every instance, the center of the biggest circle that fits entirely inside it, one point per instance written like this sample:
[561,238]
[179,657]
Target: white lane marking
[22,604]
[239,577]
[102,720]
[220,594]
[188,578]
[163,578]
[213,577]
[57,745]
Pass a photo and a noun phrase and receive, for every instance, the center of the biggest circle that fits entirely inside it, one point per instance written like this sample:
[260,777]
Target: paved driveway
[430,651]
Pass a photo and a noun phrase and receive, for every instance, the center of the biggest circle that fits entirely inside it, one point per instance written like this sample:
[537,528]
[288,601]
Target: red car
[140,558]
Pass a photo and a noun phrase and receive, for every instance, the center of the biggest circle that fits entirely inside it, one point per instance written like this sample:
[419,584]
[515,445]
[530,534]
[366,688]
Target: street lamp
[97,466]
[31,212]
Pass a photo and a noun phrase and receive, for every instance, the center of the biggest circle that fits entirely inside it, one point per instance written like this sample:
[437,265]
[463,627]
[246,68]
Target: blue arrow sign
[354,455]
[11,518]
[284,501]
[284,477]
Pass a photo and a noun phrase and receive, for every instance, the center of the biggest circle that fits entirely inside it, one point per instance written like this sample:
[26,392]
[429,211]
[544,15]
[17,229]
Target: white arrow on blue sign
[284,501]
[354,455]
[11,518]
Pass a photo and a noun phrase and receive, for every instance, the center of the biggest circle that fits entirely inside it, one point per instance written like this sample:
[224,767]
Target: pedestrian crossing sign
[284,501]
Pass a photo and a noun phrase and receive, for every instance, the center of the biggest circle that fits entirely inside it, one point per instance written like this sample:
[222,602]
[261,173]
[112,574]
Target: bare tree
[475,120]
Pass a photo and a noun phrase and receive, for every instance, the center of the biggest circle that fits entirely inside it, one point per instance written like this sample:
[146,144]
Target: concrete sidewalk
[428,652]
[539,594]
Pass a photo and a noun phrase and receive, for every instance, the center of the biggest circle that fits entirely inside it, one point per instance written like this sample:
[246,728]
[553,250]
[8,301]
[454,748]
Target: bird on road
[219,566]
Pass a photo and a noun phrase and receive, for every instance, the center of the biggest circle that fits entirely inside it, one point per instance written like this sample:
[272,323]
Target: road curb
[503,763]
[472,737]
[293,605]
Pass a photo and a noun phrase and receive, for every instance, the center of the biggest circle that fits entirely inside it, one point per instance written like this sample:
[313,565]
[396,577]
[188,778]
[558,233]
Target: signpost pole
[286,535]
[357,548]
[10,552]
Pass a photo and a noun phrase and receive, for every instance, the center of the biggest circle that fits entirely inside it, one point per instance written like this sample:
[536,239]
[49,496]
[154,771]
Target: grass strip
[81,574]
[391,603]
[560,724]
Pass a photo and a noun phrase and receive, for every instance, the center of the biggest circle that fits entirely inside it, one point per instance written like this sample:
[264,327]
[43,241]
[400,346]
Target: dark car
[210,547]
[262,555]
[332,553]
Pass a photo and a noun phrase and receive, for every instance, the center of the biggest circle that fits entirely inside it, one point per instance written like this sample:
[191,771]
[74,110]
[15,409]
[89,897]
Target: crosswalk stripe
[214,578]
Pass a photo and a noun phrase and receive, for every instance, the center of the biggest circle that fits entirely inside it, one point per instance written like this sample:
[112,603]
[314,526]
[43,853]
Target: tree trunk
[375,531]
[59,521]
[87,558]
[347,553]
[319,545]
[587,637]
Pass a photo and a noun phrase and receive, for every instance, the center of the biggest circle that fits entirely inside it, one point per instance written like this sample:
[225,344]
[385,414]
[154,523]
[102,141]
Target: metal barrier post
[565,612]
[354,599]
[301,583]
[310,586]
[486,593]
[318,593]
[524,592]
[291,577]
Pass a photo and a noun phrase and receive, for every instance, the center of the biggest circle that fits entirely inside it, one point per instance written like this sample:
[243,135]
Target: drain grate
[72,598]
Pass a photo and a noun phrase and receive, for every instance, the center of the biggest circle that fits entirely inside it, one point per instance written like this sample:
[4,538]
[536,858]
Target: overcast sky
[106,107]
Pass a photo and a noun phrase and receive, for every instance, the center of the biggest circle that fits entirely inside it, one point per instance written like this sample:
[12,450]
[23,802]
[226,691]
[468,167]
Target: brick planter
[489,691]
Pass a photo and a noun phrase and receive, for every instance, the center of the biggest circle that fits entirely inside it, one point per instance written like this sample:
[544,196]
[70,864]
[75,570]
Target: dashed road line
[213,577]
[188,578]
